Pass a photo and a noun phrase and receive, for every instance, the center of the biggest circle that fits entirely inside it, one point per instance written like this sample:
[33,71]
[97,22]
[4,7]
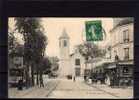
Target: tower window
[65,43]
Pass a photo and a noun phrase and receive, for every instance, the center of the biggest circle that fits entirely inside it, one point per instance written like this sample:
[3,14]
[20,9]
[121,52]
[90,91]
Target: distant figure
[85,78]
[41,80]
[74,79]
[20,84]
[112,79]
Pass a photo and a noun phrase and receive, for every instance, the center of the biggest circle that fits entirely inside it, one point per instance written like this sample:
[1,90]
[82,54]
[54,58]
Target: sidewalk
[122,93]
[15,93]
[33,92]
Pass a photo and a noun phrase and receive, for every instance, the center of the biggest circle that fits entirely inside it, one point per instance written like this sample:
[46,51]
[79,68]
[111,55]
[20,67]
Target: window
[65,43]
[126,52]
[77,71]
[126,36]
[77,61]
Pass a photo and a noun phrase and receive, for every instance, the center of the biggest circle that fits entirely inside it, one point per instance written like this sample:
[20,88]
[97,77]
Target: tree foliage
[54,62]
[33,36]
[90,50]
[45,65]
[14,48]
[11,43]
[34,41]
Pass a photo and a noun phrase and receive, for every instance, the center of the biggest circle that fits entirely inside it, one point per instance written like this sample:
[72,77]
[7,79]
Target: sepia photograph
[71,57]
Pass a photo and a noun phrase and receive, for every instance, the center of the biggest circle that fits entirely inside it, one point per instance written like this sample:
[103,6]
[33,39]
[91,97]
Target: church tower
[64,54]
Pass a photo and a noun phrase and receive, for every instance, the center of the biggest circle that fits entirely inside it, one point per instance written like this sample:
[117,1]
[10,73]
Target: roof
[123,22]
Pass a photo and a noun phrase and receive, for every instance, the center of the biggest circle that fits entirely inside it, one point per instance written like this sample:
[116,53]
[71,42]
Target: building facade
[77,63]
[122,40]
[69,64]
[119,61]
[122,50]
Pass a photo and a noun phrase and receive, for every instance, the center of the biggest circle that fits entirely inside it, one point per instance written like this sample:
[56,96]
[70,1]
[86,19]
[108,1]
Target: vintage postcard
[71,57]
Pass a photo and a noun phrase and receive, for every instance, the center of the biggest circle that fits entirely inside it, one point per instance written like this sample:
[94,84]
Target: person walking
[20,84]
[112,79]
[41,80]
[84,78]
[74,79]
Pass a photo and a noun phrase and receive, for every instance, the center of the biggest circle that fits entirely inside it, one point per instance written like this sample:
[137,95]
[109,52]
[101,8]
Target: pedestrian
[84,77]
[92,78]
[74,79]
[112,79]
[20,84]
[41,80]
[103,78]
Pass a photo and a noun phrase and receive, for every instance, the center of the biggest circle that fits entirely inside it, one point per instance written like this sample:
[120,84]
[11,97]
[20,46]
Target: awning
[111,66]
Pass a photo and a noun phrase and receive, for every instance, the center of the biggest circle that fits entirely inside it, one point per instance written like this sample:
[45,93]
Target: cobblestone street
[63,88]
[79,89]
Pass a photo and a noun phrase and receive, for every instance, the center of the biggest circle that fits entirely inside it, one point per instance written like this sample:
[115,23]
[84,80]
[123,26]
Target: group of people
[95,77]
[21,84]
[103,78]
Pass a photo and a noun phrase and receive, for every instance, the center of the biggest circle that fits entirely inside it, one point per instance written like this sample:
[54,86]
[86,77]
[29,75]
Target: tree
[39,46]
[34,43]
[14,49]
[54,64]
[45,65]
[90,50]
[11,44]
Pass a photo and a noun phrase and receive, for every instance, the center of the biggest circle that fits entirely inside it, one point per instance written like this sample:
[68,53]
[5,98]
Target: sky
[75,28]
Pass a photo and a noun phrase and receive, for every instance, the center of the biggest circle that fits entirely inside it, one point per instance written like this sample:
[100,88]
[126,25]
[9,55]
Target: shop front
[119,74]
